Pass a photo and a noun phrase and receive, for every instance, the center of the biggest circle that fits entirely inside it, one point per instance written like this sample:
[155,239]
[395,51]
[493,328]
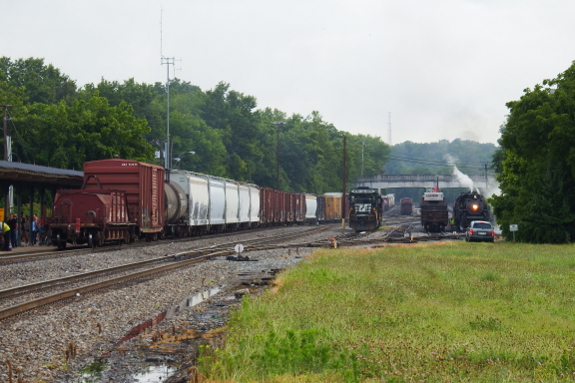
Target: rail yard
[68,308]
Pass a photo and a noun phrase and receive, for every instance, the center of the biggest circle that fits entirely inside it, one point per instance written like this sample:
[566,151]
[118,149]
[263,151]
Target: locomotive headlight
[475,206]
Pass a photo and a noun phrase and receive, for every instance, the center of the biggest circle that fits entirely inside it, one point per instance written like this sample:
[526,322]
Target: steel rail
[205,253]
[40,254]
[30,305]
[76,277]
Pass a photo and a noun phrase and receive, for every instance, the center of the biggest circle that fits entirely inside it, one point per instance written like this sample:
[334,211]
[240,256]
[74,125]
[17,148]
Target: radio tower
[166,61]
[389,129]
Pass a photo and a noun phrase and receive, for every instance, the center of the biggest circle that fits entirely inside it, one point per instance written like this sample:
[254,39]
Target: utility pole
[167,151]
[362,148]
[167,61]
[277,125]
[7,143]
[7,156]
[343,204]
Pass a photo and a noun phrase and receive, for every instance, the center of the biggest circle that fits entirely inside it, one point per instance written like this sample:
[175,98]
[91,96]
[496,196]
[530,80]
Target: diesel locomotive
[365,209]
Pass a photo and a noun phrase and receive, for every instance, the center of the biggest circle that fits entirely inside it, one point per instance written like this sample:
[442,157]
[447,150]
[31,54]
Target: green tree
[235,117]
[66,136]
[537,162]
[40,83]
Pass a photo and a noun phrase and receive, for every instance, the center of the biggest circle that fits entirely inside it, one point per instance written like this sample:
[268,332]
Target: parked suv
[480,231]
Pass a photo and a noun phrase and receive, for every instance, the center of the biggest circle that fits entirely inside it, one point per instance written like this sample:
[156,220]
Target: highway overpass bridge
[445,181]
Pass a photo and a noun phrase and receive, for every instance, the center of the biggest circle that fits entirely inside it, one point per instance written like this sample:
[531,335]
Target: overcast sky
[444,69]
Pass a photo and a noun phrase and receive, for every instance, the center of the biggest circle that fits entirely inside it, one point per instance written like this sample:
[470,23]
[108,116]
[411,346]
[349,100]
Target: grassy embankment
[451,312]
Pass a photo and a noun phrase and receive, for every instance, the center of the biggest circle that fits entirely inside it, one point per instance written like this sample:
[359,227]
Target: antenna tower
[167,61]
[389,129]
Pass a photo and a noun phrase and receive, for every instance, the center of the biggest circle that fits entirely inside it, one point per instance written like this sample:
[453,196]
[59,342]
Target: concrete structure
[445,181]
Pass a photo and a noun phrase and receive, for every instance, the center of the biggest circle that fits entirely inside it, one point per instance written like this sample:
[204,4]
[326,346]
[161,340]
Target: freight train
[122,201]
[434,214]
[365,209]
[470,206]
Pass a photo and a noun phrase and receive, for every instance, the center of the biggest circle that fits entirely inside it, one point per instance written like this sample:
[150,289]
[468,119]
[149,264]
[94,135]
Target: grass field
[442,312]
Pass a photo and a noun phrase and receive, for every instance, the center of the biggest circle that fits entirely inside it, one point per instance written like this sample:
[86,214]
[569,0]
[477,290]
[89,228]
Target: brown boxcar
[90,217]
[144,187]
[269,209]
[300,208]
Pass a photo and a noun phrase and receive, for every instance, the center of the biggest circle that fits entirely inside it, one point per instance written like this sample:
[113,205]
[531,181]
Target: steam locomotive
[470,206]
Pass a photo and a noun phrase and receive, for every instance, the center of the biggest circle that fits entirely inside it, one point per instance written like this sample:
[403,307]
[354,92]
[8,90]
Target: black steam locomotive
[365,207]
[470,206]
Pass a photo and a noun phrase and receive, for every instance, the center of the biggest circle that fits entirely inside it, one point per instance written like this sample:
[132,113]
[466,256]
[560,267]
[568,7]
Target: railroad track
[109,276]
[35,253]
[17,300]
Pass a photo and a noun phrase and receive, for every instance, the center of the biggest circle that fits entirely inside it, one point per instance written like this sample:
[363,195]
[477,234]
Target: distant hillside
[437,157]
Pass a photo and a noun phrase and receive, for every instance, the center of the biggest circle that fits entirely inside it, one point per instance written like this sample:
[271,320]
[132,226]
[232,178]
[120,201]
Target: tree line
[218,131]
[536,163]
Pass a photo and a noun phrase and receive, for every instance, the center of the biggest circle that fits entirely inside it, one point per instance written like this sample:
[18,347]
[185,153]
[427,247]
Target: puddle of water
[200,297]
[155,374]
[93,372]
[184,304]
[193,300]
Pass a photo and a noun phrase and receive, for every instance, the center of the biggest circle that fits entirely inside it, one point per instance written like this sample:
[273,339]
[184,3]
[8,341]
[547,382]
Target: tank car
[470,206]
[90,217]
[311,209]
[434,214]
[217,204]
[365,208]
[406,206]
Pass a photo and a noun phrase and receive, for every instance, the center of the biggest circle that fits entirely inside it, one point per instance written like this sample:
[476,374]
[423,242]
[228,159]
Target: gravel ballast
[53,343]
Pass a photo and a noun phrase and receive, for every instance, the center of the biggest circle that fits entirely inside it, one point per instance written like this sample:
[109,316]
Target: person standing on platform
[24,223]
[35,225]
[5,231]
[31,228]
[13,224]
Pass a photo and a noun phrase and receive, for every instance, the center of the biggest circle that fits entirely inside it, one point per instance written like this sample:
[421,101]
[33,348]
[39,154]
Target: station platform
[28,249]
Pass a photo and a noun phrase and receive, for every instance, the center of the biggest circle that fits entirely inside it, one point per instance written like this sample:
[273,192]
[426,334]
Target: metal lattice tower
[389,129]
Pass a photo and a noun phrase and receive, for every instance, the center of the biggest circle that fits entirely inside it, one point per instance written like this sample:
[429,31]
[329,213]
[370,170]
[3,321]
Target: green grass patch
[451,311]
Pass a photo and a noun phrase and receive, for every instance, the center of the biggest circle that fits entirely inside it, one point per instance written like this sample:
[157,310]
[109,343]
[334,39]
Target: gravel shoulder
[57,342]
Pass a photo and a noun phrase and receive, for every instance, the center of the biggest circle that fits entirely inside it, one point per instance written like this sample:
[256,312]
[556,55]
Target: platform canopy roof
[37,176]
